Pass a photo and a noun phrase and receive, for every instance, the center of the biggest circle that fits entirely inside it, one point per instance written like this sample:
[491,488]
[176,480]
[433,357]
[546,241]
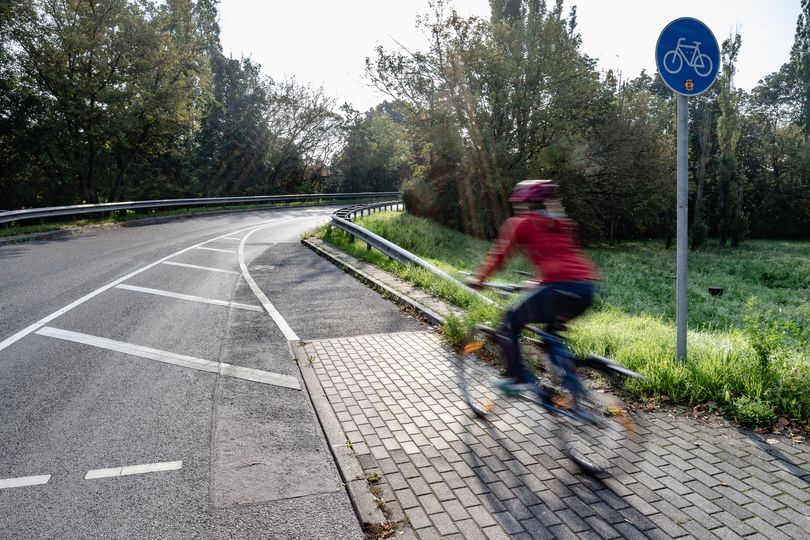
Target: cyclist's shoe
[512,387]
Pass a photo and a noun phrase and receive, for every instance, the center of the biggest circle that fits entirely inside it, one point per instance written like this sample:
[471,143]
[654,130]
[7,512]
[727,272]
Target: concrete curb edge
[364,503]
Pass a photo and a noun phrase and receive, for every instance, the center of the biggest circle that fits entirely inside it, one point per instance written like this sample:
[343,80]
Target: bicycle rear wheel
[598,431]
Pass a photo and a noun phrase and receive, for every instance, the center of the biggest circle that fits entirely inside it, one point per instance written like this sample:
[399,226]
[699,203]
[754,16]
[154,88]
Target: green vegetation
[748,349]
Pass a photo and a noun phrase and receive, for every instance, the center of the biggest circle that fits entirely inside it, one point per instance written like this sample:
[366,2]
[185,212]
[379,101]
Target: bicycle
[596,429]
[674,59]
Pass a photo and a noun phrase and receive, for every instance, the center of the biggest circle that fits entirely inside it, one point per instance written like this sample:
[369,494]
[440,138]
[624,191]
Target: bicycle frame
[680,47]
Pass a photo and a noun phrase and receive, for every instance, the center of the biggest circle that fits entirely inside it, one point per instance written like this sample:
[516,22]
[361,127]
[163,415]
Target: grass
[747,349]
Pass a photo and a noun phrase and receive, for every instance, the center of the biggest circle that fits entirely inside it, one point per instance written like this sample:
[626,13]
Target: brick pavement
[397,399]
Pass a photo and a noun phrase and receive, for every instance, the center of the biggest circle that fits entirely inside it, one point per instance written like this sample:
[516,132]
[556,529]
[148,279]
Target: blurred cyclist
[547,237]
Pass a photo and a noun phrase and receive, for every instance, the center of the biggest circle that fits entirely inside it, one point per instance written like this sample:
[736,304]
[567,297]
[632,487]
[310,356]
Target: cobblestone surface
[398,400]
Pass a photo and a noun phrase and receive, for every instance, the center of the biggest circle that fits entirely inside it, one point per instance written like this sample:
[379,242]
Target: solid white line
[24,481]
[133,469]
[19,335]
[271,309]
[182,360]
[231,238]
[217,249]
[42,322]
[222,270]
[200,299]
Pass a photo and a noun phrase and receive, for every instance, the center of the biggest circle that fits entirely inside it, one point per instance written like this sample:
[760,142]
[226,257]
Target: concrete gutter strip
[363,501]
[402,299]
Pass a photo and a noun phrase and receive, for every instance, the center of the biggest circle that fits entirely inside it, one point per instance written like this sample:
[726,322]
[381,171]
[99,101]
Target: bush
[752,412]
[699,234]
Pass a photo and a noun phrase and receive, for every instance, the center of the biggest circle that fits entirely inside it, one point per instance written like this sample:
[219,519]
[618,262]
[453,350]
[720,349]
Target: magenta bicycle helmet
[535,191]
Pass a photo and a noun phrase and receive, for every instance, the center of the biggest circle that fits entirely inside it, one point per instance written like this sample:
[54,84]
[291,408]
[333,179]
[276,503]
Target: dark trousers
[543,306]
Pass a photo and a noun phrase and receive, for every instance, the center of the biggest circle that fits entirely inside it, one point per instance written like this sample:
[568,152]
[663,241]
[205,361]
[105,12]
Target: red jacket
[549,242]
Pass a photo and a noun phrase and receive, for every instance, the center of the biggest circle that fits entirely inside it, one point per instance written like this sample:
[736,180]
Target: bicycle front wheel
[474,379]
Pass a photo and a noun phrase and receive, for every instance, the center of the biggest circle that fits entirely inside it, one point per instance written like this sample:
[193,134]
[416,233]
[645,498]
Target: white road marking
[200,299]
[133,469]
[42,322]
[217,249]
[231,238]
[271,309]
[24,481]
[182,360]
[198,267]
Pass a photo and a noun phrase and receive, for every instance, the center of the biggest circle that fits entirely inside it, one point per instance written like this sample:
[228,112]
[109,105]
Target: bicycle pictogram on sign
[674,59]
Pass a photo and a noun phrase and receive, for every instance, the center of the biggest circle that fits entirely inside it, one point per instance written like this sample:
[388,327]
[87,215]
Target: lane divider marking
[231,238]
[42,322]
[24,481]
[198,267]
[219,250]
[182,360]
[169,294]
[268,306]
[133,469]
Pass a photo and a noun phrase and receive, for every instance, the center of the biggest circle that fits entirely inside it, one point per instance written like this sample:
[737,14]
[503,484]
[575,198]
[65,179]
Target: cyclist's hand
[529,284]
[474,282]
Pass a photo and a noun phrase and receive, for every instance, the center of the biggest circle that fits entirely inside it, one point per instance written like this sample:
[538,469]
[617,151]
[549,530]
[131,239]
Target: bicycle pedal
[472,347]
[564,403]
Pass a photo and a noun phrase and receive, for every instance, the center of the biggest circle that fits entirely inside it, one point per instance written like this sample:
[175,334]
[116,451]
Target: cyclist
[547,237]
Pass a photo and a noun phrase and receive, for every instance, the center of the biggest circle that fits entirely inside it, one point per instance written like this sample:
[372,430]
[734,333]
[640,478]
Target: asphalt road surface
[147,388]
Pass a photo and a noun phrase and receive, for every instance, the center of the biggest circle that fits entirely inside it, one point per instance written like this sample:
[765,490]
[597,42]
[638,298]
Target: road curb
[403,300]
[364,503]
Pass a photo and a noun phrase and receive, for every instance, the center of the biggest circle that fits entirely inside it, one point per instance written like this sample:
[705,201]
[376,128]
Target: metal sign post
[688,58]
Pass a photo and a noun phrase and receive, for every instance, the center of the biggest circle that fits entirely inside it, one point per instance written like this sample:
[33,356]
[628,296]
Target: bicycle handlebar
[508,288]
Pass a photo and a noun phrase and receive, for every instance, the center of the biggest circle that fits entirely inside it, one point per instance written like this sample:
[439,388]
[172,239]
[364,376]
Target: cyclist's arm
[500,251]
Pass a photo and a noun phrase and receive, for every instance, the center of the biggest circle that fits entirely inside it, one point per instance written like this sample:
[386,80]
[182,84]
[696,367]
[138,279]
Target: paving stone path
[397,399]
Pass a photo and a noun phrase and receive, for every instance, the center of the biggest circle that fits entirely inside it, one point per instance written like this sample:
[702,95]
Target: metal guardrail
[57,211]
[341,219]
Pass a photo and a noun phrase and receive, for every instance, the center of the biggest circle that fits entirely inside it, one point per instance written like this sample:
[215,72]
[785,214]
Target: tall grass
[748,349]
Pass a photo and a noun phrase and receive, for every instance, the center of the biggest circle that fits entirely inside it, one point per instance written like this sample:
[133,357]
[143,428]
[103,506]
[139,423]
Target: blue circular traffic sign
[687,56]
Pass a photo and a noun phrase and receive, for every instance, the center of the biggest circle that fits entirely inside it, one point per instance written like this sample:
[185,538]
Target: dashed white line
[24,481]
[232,252]
[133,469]
[189,297]
[182,360]
[198,267]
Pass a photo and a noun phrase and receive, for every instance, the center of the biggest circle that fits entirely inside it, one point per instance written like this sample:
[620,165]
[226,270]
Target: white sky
[326,41]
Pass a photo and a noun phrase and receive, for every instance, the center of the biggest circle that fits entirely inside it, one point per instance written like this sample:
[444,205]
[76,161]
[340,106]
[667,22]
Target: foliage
[375,151]
[108,100]
[753,412]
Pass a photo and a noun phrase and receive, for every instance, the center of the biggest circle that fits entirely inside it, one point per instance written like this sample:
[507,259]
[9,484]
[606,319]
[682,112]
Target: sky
[325,42]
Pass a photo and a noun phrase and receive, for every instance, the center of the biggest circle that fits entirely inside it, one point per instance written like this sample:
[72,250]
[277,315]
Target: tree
[375,151]
[485,102]
[800,63]
[117,79]
[733,223]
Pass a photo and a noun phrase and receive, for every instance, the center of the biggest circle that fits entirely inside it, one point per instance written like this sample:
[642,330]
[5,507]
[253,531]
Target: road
[147,388]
